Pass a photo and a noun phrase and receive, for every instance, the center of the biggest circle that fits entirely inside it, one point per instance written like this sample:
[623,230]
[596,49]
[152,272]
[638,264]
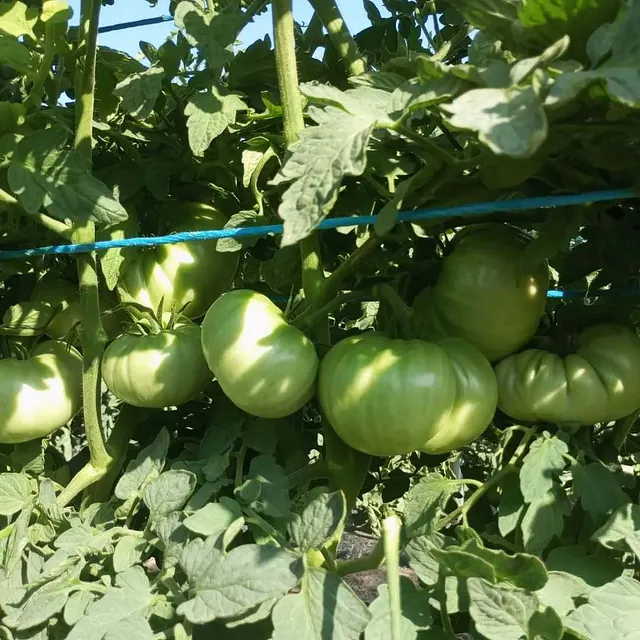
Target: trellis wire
[136,23]
[478,208]
[433,213]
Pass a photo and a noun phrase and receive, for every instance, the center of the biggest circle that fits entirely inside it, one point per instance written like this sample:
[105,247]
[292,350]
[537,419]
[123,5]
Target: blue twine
[136,23]
[477,208]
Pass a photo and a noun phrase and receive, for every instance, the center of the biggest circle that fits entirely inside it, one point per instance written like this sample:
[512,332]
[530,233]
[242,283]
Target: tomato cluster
[435,391]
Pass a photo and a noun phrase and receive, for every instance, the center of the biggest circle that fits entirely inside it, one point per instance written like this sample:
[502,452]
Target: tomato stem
[37,89]
[347,468]
[391,536]
[341,38]
[92,336]
[622,428]
[365,563]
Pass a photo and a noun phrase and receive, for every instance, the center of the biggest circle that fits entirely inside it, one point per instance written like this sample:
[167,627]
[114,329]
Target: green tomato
[188,273]
[483,296]
[598,383]
[40,394]
[389,397]
[158,370]
[63,295]
[264,365]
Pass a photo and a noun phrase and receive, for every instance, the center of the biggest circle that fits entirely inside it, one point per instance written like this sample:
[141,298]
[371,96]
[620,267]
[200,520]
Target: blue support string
[136,23]
[432,213]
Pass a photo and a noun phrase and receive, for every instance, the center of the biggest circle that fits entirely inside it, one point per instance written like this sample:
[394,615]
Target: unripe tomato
[264,365]
[158,370]
[389,397]
[187,273]
[40,394]
[64,295]
[482,295]
[598,383]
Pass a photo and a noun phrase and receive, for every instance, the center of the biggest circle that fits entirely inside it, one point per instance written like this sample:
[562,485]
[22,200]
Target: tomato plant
[291,431]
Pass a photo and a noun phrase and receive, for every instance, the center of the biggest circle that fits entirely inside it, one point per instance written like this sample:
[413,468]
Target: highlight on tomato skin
[483,295]
[40,393]
[159,370]
[264,365]
[189,276]
[598,383]
[389,397]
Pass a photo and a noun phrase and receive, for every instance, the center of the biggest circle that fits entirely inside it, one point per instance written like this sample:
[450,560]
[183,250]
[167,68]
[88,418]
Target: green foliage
[206,521]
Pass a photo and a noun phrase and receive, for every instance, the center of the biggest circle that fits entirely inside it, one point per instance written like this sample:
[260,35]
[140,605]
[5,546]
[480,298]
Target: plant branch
[462,510]
[12,205]
[92,333]
[333,283]
[35,95]
[341,38]
[365,563]
[307,319]
[391,536]
[307,474]
[622,428]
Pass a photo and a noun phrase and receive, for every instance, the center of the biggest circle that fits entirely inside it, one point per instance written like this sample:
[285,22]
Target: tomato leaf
[214,518]
[228,585]
[15,55]
[212,32]
[302,616]
[499,612]
[209,115]
[544,520]
[319,521]
[598,489]
[316,166]
[617,74]
[15,493]
[415,615]
[127,553]
[424,501]
[18,19]
[266,489]
[422,557]
[146,466]
[509,509]
[169,491]
[612,611]
[43,174]
[121,612]
[140,91]
[623,522]
[510,122]
[544,460]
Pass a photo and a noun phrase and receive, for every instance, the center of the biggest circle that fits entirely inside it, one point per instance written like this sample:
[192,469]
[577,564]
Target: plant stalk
[391,535]
[93,336]
[35,95]
[346,468]
[341,38]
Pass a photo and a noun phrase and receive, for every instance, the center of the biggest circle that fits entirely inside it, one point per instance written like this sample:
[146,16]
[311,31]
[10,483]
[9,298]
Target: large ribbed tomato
[483,296]
[264,365]
[157,370]
[39,394]
[389,397]
[187,273]
[598,383]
